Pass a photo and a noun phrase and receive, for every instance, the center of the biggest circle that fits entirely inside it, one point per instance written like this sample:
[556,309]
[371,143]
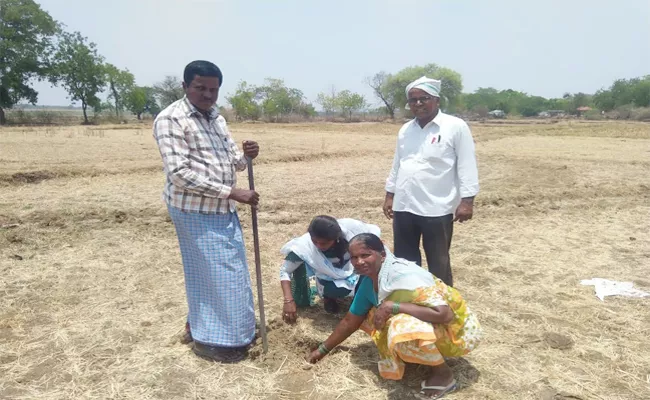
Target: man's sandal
[224,355]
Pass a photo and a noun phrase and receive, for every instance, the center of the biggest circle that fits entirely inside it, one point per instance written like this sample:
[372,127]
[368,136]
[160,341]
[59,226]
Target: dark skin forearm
[388,205]
[348,325]
[465,209]
[286,290]
[435,315]
[343,330]
[289,310]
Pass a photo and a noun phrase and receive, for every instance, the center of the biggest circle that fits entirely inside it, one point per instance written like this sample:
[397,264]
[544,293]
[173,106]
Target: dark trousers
[436,235]
[331,291]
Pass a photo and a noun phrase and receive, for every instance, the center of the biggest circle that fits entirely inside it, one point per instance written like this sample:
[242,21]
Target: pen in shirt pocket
[436,139]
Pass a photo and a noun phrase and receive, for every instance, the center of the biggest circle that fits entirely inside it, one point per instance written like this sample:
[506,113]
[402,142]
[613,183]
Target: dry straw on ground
[92,296]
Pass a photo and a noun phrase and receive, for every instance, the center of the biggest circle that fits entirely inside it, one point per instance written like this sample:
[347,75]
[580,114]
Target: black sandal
[331,305]
[224,355]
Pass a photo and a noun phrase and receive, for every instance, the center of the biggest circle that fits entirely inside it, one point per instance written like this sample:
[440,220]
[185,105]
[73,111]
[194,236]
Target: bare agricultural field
[92,298]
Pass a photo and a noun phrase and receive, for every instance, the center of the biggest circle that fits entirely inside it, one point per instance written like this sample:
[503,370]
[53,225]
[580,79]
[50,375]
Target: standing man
[433,180]
[200,161]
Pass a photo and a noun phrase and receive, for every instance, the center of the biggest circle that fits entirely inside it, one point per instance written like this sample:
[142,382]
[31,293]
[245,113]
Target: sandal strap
[451,386]
[434,387]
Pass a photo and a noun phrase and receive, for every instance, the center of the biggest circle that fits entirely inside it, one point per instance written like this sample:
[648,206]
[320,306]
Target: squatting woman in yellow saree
[411,315]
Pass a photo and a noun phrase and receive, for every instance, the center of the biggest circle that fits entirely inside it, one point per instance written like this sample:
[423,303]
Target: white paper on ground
[605,287]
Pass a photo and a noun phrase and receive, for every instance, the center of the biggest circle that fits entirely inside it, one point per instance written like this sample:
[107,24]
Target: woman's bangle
[396,308]
[287,301]
[322,349]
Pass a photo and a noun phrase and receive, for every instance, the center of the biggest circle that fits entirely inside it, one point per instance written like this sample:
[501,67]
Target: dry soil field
[91,286]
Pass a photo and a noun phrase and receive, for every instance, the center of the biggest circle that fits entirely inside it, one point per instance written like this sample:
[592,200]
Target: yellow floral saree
[405,338]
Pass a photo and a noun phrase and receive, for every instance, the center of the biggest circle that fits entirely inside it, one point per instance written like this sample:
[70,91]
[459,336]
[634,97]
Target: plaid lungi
[217,282]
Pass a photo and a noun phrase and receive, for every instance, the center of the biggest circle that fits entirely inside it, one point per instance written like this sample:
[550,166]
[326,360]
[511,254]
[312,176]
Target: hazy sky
[539,47]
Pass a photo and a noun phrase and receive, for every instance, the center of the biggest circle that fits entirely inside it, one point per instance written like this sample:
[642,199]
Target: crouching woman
[411,315]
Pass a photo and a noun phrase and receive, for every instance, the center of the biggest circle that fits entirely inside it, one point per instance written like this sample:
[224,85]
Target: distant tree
[383,89]
[604,100]
[624,92]
[481,110]
[273,100]
[168,91]
[244,102]
[153,107]
[26,33]
[581,100]
[79,70]
[278,100]
[558,104]
[307,110]
[510,101]
[327,101]
[573,101]
[486,97]
[391,88]
[141,99]
[641,92]
[348,102]
[120,83]
[104,106]
[531,106]
[451,83]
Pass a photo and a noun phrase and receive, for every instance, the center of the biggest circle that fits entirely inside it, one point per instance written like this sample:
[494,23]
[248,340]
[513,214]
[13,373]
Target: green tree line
[273,100]
[622,94]
[33,46]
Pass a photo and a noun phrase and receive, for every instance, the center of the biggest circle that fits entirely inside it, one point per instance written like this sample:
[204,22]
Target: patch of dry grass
[92,287]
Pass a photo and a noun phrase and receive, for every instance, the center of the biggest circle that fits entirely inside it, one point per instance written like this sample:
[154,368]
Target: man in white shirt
[433,180]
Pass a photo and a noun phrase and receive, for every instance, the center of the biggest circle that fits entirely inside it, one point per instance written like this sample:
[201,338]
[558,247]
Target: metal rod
[258,266]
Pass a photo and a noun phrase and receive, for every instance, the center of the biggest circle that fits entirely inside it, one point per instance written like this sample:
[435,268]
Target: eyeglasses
[423,99]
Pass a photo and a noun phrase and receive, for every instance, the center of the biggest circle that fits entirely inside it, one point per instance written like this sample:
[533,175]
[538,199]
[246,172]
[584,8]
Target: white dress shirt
[434,167]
